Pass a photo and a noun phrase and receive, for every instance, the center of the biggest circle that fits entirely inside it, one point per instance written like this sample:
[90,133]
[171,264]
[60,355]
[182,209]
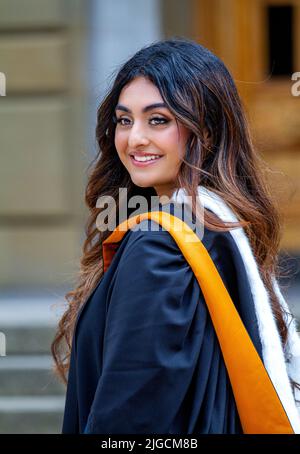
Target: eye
[157,121]
[119,120]
[160,120]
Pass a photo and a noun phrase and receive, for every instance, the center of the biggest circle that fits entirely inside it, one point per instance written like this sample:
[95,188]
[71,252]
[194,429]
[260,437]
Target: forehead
[140,90]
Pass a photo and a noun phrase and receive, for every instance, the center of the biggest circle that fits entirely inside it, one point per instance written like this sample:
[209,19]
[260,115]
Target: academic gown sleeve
[157,330]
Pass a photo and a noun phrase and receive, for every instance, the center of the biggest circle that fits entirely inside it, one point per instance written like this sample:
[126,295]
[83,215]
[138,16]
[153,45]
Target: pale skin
[154,131]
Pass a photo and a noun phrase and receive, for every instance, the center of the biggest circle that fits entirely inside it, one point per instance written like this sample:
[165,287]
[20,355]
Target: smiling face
[149,141]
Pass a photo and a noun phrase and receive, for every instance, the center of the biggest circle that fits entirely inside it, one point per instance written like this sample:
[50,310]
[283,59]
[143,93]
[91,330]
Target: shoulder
[152,263]
[149,244]
[149,240]
[152,251]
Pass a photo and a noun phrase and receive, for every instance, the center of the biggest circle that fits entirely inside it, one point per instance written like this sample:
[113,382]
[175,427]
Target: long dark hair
[201,94]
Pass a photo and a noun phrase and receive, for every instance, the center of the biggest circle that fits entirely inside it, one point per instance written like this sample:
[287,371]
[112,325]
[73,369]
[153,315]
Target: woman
[144,357]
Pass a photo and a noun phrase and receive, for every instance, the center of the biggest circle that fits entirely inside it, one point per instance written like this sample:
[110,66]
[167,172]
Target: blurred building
[58,57]
[259,40]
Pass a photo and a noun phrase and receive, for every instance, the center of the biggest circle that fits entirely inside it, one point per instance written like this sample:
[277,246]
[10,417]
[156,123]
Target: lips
[144,163]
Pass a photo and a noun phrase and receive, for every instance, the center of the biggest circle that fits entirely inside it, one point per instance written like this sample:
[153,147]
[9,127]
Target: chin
[143,183]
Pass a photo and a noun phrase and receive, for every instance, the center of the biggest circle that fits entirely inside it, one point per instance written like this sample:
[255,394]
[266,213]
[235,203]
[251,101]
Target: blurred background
[58,57]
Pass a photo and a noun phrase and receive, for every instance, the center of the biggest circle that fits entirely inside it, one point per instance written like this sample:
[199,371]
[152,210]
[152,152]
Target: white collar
[279,364]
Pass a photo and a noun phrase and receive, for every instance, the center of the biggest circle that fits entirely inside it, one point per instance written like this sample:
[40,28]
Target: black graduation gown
[145,357]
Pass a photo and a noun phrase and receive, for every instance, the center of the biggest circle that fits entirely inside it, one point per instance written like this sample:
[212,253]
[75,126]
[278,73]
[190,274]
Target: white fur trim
[277,365]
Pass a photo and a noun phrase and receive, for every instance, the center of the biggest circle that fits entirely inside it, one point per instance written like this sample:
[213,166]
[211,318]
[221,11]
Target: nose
[137,136]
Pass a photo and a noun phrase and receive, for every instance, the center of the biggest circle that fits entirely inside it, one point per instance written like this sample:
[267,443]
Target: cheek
[169,138]
[174,144]
[175,140]
[121,147]
[119,142]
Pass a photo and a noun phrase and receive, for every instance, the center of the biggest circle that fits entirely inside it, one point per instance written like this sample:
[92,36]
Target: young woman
[145,356]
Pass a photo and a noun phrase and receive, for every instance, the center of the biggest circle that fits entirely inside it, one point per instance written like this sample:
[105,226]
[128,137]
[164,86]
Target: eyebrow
[145,109]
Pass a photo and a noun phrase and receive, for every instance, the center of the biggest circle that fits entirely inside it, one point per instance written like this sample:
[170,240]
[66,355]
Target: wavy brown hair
[200,92]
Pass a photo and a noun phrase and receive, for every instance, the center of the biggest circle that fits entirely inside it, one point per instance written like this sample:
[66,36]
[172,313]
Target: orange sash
[259,407]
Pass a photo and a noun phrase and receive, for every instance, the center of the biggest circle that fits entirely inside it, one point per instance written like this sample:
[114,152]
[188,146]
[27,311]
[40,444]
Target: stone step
[19,310]
[29,323]
[31,396]
[29,375]
[28,339]
[31,414]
